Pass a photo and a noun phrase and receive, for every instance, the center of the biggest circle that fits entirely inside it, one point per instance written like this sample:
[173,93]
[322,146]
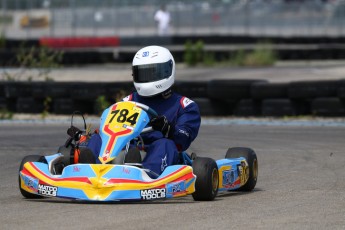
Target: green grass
[262,55]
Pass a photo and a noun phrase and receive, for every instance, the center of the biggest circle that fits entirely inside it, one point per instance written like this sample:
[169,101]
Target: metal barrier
[58,18]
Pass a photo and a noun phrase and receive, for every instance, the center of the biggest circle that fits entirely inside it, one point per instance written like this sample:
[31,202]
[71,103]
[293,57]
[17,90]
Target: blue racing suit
[183,115]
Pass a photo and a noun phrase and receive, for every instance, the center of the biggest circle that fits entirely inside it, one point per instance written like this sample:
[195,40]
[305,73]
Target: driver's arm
[183,130]
[187,125]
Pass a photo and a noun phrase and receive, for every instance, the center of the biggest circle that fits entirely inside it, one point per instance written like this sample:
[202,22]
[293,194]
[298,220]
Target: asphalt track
[301,183]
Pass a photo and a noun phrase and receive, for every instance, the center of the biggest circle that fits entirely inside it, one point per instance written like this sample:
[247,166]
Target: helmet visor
[152,72]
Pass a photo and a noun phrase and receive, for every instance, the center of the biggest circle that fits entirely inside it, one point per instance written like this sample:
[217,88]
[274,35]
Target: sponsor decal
[126,170]
[185,102]
[146,54]
[164,163]
[176,187]
[105,155]
[155,193]
[76,169]
[184,132]
[127,127]
[128,98]
[47,190]
[228,178]
[155,54]
[30,182]
[243,172]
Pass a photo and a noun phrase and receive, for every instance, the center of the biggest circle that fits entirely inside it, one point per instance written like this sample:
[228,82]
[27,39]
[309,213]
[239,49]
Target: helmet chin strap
[167,93]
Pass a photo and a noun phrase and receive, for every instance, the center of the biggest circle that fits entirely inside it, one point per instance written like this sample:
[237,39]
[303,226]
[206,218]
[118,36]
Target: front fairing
[106,182]
[120,123]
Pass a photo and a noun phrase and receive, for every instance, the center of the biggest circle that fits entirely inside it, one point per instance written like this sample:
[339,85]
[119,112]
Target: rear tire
[68,154]
[252,161]
[86,156]
[207,179]
[30,158]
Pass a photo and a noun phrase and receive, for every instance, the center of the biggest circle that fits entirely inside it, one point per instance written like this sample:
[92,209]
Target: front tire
[30,158]
[207,179]
[252,161]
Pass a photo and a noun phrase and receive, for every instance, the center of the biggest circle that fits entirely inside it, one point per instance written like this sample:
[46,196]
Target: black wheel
[207,178]
[252,161]
[83,155]
[30,158]
[86,156]
[68,154]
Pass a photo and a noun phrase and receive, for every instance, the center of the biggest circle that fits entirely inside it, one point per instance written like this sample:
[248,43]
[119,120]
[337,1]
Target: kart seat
[133,156]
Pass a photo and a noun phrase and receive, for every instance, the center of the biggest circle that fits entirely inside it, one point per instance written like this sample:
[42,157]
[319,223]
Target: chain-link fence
[57,18]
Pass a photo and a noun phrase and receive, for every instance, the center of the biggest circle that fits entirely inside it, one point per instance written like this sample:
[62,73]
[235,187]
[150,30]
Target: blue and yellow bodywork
[105,182]
[121,123]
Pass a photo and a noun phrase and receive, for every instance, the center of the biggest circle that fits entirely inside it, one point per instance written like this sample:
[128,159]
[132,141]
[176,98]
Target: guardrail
[108,49]
[37,18]
[215,98]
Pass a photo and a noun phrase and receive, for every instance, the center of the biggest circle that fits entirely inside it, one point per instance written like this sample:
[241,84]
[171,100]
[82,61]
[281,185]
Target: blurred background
[249,54]
[287,25]
[112,30]
[55,18]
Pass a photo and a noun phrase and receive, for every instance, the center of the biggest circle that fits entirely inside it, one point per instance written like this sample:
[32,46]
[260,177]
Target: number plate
[120,122]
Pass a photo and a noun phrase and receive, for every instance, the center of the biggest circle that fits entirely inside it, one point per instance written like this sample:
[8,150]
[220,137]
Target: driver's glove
[161,124]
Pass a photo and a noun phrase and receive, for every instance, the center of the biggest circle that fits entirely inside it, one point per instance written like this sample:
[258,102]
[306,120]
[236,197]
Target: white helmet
[153,70]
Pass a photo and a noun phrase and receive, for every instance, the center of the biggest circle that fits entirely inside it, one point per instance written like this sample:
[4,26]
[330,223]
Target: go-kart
[114,179]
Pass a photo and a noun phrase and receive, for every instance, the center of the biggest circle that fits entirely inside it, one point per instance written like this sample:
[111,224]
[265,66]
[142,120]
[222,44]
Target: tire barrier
[313,89]
[192,89]
[63,106]
[329,107]
[341,90]
[3,104]
[244,98]
[265,90]
[278,107]
[247,108]
[29,105]
[230,89]
[88,91]
[209,107]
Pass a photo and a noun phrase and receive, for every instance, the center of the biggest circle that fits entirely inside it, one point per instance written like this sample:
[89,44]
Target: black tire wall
[244,98]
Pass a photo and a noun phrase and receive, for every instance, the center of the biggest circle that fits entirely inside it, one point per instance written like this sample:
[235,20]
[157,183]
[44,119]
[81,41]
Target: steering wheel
[73,131]
[151,112]
[147,109]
